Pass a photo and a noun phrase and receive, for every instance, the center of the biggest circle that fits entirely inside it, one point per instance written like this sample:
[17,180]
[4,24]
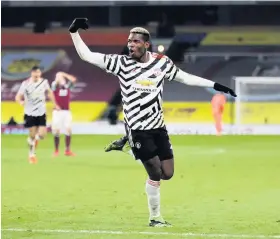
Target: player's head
[36,72]
[60,79]
[138,42]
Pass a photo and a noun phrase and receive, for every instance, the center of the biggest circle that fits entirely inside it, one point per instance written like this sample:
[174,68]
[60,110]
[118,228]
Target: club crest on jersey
[157,72]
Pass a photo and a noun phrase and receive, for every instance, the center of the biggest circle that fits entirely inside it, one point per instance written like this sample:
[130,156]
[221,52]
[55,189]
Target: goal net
[257,101]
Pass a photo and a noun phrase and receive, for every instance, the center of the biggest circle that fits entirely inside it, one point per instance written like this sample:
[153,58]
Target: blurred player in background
[62,119]
[32,95]
[218,102]
[141,77]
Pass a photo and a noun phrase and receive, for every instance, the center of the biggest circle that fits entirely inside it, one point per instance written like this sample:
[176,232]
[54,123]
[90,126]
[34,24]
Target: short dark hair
[35,68]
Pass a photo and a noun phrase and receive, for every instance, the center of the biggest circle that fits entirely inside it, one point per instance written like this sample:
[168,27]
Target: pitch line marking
[187,234]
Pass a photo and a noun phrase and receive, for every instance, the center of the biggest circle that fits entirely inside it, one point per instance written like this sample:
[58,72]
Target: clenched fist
[78,23]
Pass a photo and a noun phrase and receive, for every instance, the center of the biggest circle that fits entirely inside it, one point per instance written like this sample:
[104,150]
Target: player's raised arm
[62,76]
[69,77]
[110,63]
[189,79]
[82,49]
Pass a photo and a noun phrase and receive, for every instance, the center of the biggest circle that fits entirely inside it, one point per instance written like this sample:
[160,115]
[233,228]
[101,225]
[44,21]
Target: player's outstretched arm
[190,79]
[83,51]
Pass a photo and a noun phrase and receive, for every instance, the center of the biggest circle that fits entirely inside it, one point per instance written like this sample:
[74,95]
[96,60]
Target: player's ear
[147,45]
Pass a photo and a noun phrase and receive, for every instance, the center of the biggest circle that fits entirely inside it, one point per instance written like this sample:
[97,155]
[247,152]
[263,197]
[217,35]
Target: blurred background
[212,39]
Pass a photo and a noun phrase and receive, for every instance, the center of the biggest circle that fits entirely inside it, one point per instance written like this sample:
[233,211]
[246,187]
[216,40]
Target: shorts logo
[137,145]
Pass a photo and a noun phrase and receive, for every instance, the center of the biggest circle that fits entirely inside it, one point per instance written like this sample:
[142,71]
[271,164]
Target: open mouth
[131,52]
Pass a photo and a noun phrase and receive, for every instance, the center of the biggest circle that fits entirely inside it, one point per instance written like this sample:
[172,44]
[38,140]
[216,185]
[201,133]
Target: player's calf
[32,144]
[68,135]
[56,135]
[153,168]
[42,131]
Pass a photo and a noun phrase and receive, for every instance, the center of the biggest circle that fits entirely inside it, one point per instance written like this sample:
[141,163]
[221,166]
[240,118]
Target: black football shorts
[34,121]
[147,144]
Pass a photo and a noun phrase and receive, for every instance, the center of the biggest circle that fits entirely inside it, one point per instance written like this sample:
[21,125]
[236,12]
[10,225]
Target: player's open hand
[21,102]
[225,89]
[57,107]
[78,23]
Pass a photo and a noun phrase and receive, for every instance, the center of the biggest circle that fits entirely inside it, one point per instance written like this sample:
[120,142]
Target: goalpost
[257,101]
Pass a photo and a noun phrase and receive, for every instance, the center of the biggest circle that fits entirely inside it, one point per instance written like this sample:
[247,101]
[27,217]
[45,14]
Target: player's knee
[167,175]
[56,132]
[68,130]
[155,176]
[42,134]
[32,136]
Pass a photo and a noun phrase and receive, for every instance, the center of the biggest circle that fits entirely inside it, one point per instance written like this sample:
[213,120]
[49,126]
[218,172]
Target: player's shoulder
[53,83]
[46,81]
[160,56]
[26,81]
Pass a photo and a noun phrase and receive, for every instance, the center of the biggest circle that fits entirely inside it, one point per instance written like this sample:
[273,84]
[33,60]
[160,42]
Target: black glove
[219,87]
[78,23]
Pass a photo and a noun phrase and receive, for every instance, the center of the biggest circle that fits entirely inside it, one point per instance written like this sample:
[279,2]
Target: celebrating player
[141,77]
[218,102]
[32,96]
[62,118]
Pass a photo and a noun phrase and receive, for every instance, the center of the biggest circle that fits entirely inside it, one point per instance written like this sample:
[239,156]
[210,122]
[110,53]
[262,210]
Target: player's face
[136,45]
[62,81]
[36,74]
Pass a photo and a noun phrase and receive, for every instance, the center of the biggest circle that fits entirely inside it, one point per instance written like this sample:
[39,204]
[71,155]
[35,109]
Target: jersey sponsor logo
[63,92]
[146,85]
[145,82]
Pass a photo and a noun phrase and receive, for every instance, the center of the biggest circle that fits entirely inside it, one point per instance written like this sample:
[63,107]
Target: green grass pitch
[222,185]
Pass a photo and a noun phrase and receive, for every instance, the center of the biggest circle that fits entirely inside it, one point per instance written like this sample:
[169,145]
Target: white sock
[153,194]
[31,144]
